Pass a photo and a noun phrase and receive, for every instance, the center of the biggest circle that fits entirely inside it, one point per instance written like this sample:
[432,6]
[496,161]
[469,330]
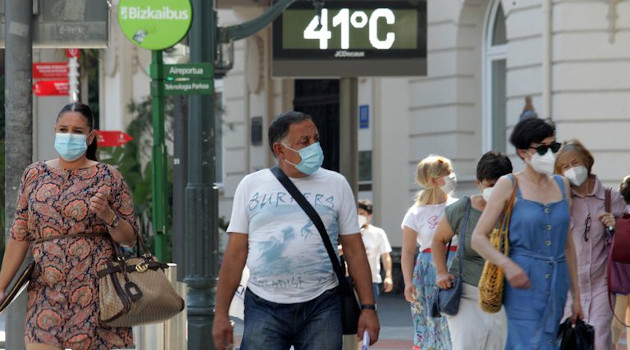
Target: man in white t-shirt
[291,296]
[377,248]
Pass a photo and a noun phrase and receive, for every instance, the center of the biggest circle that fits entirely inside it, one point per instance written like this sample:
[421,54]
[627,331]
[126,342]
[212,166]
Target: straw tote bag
[491,282]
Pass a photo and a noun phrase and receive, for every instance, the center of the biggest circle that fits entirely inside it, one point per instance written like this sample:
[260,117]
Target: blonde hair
[431,167]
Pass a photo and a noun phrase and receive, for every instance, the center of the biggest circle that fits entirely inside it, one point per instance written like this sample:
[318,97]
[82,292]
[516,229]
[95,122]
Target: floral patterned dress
[52,206]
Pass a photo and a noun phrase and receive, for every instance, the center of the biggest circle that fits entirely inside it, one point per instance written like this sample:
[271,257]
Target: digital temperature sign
[351,38]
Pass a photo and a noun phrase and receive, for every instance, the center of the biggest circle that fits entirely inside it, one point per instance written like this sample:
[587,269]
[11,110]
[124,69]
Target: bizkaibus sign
[155,24]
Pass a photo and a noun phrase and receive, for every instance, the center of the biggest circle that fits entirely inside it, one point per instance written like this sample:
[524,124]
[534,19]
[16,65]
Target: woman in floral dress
[68,212]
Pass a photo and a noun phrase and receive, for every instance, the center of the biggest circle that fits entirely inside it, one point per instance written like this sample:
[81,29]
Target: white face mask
[577,175]
[543,164]
[486,193]
[362,220]
[450,182]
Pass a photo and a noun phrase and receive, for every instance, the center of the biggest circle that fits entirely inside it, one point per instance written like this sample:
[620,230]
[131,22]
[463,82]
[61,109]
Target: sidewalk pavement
[396,326]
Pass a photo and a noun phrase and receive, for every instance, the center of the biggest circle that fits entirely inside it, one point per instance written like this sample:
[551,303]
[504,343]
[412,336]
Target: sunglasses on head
[542,149]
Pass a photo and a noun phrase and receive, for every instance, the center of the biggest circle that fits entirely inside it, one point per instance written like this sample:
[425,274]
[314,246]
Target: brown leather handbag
[18,287]
[135,291]
[492,281]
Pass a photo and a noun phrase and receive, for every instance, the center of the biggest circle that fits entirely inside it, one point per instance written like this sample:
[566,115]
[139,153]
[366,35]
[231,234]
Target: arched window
[494,79]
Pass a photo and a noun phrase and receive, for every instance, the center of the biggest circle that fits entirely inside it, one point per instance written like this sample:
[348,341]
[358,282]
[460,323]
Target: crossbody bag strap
[507,215]
[462,239]
[315,218]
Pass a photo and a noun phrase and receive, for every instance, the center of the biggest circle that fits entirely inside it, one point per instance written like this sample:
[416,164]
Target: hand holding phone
[366,340]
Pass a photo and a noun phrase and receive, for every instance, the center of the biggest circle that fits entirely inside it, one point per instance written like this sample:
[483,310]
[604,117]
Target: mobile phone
[366,340]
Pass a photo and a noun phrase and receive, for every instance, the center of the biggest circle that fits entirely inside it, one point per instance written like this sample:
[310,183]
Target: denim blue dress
[538,234]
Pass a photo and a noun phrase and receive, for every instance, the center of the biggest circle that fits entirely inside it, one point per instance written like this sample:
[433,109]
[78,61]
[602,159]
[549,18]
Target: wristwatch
[368,307]
[114,222]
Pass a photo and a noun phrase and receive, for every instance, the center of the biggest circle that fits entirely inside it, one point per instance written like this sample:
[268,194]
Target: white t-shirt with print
[287,259]
[376,244]
[424,220]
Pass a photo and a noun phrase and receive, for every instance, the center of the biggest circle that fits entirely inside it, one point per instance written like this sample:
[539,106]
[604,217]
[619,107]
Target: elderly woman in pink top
[589,223]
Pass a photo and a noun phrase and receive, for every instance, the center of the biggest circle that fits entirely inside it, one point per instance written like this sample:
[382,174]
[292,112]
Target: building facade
[484,57]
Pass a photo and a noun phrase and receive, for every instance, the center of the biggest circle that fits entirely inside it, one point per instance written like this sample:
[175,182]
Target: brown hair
[431,167]
[86,112]
[624,189]
[574,147]
[365,204]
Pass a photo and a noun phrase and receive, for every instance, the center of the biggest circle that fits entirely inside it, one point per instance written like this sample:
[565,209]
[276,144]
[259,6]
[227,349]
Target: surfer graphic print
[287,260]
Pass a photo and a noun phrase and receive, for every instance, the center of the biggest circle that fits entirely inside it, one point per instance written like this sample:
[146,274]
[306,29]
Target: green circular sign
[155,24]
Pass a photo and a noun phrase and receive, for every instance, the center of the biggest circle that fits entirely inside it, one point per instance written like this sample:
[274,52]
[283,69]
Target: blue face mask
[70,146]
[312,158]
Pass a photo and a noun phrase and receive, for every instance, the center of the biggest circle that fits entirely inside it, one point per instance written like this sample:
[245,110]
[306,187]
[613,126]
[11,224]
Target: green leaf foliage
[133,160]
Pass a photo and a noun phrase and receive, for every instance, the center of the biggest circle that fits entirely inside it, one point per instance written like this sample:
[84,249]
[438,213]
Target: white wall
[249,91]
[391,179]
[45,109]
[591,82]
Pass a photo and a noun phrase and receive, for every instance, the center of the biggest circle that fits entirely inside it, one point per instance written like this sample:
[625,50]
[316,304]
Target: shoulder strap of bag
[607,208]
[507,215]
[462,240]
[317,221]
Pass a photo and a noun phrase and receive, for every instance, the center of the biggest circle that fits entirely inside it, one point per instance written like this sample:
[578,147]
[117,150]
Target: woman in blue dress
[541,265]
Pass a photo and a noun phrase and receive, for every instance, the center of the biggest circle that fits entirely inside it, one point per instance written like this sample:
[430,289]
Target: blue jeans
[314,324]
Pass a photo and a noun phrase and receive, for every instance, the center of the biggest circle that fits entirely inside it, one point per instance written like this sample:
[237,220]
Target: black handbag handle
[317,221]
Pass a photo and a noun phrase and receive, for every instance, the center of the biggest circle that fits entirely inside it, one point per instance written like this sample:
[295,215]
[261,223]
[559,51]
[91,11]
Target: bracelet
[368,307]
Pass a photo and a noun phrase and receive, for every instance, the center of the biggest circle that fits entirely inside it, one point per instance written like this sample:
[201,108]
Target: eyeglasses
[542,149]
[587,227]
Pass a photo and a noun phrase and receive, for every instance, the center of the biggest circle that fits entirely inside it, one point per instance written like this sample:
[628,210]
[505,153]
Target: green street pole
[201,199]
[158,156]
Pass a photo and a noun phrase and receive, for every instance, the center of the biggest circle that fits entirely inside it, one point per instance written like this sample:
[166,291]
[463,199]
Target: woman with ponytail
[68,212]
[435,174]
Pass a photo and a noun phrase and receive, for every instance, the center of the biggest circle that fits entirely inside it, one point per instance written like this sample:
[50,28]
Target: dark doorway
[319,98]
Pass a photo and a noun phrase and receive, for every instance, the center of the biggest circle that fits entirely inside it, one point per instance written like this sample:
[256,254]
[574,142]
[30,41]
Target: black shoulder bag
[350,310]
[447,300]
